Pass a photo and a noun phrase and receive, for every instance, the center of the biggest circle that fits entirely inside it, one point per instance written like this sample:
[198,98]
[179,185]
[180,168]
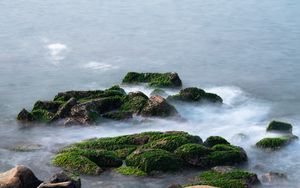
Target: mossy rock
[78,163]
[153,79]
[214,140]
[157,106]
[118,115]
[276,142]
[42,116]
[224,154]
[25,116]
[194,154]
[280,127]
[232,179]
[130,171]
[149,160]
[134,102]
[50,106]
[193,94]
[116,88]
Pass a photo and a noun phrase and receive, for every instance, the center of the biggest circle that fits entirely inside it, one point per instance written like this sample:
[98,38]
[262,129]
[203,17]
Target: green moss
[232,179]
[149,160]
[117,115]
[124,152]
[193,94]
[50,106]
[74,162]
[170,143]
[42,116]
[130,171]
[117,88]
[153,79]
[134,103]
[275,143]
[189,150]
[214,140]
[280,126]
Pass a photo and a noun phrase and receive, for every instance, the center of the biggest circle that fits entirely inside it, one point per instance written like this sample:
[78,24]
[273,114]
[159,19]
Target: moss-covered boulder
[146,152]
[280,127]
[193,94]
[118,115]
[25,116]
[275,142]
[234,178]
[214,140]
[130,171]
[134,102]
[149,160]
[170,79]
[157,106]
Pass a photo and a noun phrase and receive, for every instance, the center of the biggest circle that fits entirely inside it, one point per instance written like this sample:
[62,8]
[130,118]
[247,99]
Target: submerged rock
[19,177]
[280,127]
[193,94]
[170,79]
[274,178]
[146,153]
[275,143]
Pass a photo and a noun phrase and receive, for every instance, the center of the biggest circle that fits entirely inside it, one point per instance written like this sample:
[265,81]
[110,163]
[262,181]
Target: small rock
[19,177]
[159,107]
[62,180]
[25,116]
[280,127]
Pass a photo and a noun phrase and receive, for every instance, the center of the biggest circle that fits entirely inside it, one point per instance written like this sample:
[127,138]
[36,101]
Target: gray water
[246,51]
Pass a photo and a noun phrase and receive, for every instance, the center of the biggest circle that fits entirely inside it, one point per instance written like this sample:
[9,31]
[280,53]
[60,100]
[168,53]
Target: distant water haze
[247,51]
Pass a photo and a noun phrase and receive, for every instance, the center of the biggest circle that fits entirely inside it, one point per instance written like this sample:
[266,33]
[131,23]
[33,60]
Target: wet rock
[274,178]
[280,127]
[65,110]
[50,106]
[201,186]
[65,96]
[193,94]
[25,116]
[170,79]
[158,107]
[214,140]
[117,115]
[62,180]
[19,177]
[134,102]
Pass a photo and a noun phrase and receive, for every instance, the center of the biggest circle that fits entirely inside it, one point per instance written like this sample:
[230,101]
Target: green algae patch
[153,79]
[214,140]
[130,171]
[233,179]
[77,163]
[276,142]
[42,116]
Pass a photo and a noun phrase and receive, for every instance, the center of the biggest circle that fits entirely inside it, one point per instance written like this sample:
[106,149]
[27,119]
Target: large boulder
[134,102]
[170,79]
[214,140]
[279,126]
[19,177]
[193,94]
[158,107]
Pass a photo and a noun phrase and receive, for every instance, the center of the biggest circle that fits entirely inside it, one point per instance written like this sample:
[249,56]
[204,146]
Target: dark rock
[25,116]
[214,140]
[65,110]
[19,177]
[280,127]
[117,115]
[49,106]
[193,94]
[170,79]
[276,143]
[65,96]
[62,180]
[158,107]
[134,102]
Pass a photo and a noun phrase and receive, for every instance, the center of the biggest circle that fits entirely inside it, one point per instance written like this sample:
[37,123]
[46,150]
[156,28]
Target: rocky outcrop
[170,79]
[278,126]
[19,177]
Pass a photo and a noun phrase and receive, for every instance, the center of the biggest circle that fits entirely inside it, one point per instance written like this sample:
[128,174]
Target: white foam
[56,52]
[94,65]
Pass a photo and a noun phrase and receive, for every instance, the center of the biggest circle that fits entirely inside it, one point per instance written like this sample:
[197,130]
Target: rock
[158,107]
[159,92]
[65,110]
[49,106]
[274,178]
[150,160]
[228,178]
[214,140]
[170,79]
[25,116]
[116,88]
[275,143]
[175,186]
[280,127]
[65,96]
[193,94]
[201,186]
[19,177]
[62,180]
[134,102]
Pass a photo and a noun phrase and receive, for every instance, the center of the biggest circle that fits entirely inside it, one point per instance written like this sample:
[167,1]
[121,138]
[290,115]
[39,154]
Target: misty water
[246,51]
